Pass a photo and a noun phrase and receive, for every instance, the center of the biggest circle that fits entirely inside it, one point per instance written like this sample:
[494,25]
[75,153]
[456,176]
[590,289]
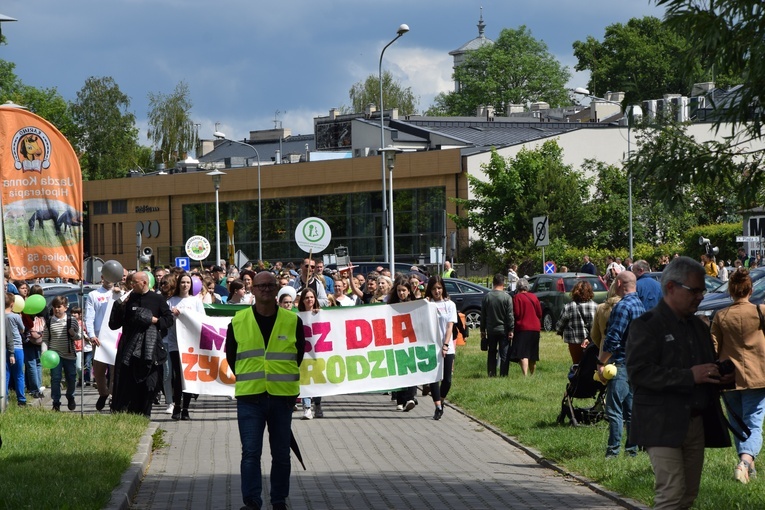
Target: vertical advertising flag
[41,198]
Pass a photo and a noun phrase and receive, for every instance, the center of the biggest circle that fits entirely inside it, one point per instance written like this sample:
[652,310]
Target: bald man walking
[619,394]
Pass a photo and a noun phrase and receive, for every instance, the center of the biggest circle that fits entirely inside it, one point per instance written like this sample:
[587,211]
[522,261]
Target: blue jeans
[253,417]
[33,367]
[69,367]
[750,406]
[17,372]
[619,412]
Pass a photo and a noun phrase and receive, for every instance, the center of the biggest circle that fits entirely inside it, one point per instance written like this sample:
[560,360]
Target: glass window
[101,207]
[119,206]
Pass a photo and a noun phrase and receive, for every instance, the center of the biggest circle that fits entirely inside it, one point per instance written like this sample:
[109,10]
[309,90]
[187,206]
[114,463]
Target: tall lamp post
[389,158]
[222,136]
[402,29]
[633,112]
[216,176]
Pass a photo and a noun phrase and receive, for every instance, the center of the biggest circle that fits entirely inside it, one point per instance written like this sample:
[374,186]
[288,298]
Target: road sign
[198,248]
[541,231]
[748,239]
[549,267]
[183,263]
[313,235]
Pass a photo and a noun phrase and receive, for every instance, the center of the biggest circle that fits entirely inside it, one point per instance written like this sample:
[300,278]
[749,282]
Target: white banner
[348,350]
[107,351]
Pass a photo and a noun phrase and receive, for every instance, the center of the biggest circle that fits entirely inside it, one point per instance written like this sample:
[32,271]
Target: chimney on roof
[333,113]
[702,89]
[369,110]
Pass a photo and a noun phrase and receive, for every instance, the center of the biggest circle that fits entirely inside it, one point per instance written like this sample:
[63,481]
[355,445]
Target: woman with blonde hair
[737,333]
[602,313]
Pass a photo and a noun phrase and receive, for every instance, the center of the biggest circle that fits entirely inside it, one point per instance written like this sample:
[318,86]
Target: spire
[481,25]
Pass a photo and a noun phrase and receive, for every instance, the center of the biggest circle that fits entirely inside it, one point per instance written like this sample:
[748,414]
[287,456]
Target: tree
[516,69]
[729,35]
[107,138]
[47,103]
[394,95]
[171,129]
[643,58]
[534,183]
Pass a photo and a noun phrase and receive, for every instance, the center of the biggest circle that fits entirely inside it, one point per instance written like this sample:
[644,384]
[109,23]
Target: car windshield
[597,285]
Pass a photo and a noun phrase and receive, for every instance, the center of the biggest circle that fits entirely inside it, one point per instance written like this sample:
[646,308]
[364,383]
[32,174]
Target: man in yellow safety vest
[264,348]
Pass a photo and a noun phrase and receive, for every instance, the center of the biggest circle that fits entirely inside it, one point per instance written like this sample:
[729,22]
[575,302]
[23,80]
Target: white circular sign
[197,248]
[313,235]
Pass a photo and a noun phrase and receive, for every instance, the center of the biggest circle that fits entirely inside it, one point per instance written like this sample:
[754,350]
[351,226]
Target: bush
[723,236]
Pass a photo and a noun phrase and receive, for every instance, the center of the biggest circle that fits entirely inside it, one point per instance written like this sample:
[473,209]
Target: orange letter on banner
[225,374]
[403,329]
[358,334]
[208,368]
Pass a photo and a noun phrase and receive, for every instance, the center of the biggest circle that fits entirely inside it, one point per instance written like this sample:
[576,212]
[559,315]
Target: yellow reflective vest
[260,369]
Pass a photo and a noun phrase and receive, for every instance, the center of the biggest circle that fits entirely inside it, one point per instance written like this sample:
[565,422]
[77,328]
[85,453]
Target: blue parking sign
[183,262]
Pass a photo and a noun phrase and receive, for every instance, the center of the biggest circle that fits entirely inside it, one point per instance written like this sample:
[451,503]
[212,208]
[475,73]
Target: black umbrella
[296,449]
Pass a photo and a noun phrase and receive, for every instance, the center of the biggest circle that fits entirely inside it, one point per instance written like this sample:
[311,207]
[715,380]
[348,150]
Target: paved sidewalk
[363,455]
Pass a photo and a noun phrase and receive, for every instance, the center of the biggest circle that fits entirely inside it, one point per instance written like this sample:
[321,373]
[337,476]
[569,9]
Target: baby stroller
[581,385]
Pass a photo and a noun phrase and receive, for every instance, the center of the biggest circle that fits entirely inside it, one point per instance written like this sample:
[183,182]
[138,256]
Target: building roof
[239,154]
[476,43]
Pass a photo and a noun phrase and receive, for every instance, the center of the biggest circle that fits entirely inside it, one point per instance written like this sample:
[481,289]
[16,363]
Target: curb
[123,494]
[617,498]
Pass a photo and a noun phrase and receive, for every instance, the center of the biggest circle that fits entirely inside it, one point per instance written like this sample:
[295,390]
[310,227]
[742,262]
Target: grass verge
[62,460]
[527,408]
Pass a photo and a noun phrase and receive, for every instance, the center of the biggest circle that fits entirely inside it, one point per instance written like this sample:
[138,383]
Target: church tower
[460,53]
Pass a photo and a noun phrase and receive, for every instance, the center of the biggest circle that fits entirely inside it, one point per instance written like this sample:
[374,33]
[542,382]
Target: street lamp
[216,176]
[634,112]
[402,29]
[222,136]
[389,159]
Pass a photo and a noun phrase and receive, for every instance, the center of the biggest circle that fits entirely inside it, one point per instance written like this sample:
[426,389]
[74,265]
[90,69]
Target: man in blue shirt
[619,394]
[648,289]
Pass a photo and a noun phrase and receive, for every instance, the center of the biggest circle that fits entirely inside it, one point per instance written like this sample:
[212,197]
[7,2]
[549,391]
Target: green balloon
[34,304]
[49,359]
[152,281]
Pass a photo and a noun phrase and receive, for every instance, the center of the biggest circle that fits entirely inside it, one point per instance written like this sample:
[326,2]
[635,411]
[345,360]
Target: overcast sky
[246,60]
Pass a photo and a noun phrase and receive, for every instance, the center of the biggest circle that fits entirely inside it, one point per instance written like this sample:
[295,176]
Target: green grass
[60,460]
[527,408]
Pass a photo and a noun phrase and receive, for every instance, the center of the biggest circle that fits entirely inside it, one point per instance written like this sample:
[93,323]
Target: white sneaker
[42,388]
[400,407]
[170,408]
[409,405]
[307,414]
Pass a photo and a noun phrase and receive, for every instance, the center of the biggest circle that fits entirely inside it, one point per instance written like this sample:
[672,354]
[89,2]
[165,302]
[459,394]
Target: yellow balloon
[18,304]
[609,371]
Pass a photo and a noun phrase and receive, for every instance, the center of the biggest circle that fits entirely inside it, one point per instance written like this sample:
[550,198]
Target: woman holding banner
[181,302]
[401,293]
[447,316]
[310,302]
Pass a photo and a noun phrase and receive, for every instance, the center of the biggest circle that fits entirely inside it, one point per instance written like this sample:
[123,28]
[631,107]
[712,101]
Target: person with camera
[676,411]
[738,336]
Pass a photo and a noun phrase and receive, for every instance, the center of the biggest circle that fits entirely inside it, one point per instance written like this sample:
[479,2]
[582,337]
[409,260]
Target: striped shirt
[57,337]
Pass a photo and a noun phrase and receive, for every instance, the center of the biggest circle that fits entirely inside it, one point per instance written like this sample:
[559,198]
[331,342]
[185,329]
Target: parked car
[710,282]
[554,291]
[720,298]
[367,267]
[70,291]
[468,297]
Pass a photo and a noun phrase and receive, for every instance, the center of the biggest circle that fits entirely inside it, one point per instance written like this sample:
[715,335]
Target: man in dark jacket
[497,323]
[137,370]
[676,410]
